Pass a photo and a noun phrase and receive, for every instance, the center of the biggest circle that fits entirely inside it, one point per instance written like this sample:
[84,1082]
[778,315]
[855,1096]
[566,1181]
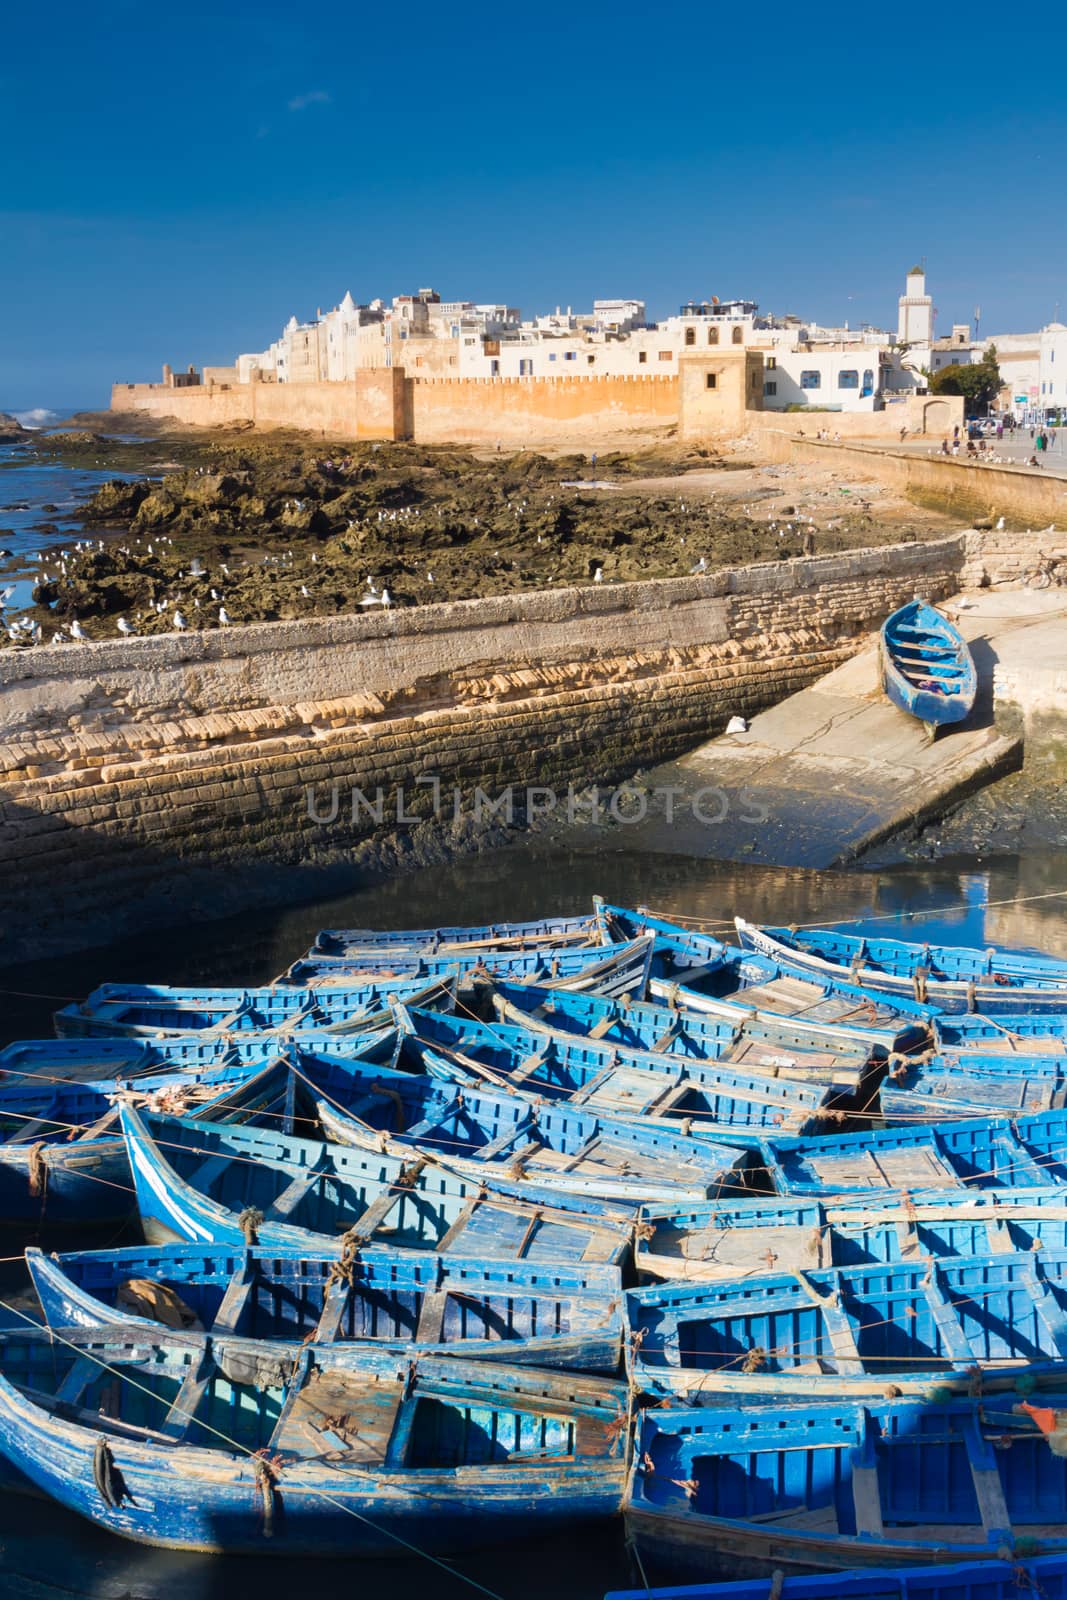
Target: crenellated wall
[135,771]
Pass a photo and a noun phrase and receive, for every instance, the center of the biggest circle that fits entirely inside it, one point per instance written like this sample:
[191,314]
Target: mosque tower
[915,317]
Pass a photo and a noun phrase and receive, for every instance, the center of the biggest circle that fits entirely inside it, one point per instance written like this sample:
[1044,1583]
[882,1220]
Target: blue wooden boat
[510,1138]
[706,1098]
[927,668]
[168,1439]
[620,968]
[978,1152]
[1027,1035]
[209,1184]
[964,980]
[557,1315]
[152,1011]
[734,1241]
[693,971]
[556,931]
[837,1484]
[62,1153]
[855,1330]
[966,1580]
[779,1049]
[924,1090]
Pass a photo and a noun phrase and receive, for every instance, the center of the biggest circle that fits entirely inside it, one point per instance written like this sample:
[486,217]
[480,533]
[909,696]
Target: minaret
[915,318]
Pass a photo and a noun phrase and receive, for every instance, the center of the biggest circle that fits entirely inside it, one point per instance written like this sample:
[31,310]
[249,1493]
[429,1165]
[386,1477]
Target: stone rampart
[134,770]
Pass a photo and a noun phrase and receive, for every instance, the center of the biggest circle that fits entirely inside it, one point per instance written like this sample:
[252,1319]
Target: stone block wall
[141,777]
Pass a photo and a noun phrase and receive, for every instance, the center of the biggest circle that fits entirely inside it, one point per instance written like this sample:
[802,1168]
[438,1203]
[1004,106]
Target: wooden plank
[992,1506]
[234,1301]
[840,1327]
[449,1239]
[77,1380]
[1047,1307]
[432,1316]
[333,1310]
[291,1196]
[183,1409]
[957,1345]
[867,1501]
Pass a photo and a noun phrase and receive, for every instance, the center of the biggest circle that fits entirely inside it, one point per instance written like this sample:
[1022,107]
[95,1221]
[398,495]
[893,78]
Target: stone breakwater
[169,777]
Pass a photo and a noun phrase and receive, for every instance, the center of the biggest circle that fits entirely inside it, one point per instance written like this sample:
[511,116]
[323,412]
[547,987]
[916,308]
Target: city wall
[168,777]
[525,410]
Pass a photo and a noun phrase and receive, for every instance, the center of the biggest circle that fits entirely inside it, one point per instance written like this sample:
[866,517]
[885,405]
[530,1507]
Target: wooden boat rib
[169,1440]
[196,1182]
[931,974]
[910,1323]
[737,1241]
[837,1485]
[778,1049]
[927,668]
[714,1100]
[557,1315]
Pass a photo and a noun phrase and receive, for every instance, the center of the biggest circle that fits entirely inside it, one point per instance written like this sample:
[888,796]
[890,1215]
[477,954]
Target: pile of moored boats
[451,1233]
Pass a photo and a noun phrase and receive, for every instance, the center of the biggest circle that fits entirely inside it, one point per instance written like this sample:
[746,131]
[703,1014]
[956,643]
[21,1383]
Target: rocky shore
[237,528]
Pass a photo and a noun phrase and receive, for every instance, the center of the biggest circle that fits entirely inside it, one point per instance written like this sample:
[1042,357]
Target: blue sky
[177,180]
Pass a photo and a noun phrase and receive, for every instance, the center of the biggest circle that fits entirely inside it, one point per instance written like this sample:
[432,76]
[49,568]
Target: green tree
[979,384]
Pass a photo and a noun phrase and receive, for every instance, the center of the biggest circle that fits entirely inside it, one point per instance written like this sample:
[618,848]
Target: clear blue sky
[177,180]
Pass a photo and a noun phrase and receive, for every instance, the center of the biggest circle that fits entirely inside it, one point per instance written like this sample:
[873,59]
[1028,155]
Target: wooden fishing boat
[1028,1035]
[554,931]
[168,1439]
[855,1330]
[964,980]
[976,1152]
[707,1098]
[557,1315]
[620,968]
[926,1090]
[779,1049]
[966,1580]
[497,1135]
[695,972]
[833,1484]
[62,1153]
[205,1183]
[152,1011]
[927,667]
[735,1241]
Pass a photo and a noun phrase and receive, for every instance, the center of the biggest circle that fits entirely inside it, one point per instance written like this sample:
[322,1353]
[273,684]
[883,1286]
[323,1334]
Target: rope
[889,916]
[253,1455]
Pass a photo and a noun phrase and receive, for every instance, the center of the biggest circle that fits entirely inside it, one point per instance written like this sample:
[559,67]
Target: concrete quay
[837,769]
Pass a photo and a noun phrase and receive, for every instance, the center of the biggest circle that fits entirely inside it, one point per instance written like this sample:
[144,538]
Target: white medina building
[1052,370]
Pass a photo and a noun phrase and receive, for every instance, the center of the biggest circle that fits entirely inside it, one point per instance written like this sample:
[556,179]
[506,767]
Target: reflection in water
[48,1553]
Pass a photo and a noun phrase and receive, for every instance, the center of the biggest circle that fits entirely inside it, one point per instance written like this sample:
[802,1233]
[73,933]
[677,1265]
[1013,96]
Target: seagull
[59,637]
[77,631]
[598,575]
[124,627]
[304,591]
[386,598]
[701,566]
[224,620]
[1000,524]
[180,622]
[5,594]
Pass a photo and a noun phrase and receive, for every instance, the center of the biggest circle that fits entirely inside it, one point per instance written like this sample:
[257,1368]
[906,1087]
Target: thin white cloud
[317,97]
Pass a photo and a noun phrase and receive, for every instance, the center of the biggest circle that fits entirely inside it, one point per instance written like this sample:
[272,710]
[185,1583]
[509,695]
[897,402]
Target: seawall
[169,777]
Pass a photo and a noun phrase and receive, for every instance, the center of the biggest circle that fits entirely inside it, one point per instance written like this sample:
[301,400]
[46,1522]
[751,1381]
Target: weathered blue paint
[952,980]
[913,1323]
[833,1484]
[697,972]
[431,941]
[708,1098]
[555,1315]
[194,1180]
[495,1134]
[152,1011]
[208,1445]
[780,1049]
[978,1152]
[620,968]
[732,1241]
[927,668]
[969,1580]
